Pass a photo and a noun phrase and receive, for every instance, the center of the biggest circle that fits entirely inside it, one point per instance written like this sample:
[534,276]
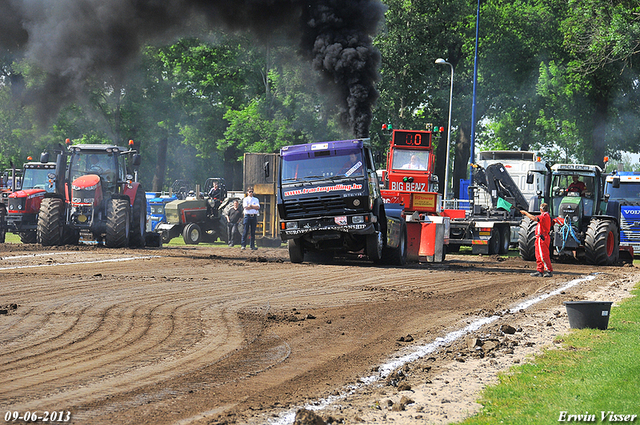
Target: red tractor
[23,205]
[95,197]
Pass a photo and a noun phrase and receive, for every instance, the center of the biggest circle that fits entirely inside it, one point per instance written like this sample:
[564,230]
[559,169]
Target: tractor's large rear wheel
[602,242]
[527,239]
[118,227]
[50,222]
[139,222]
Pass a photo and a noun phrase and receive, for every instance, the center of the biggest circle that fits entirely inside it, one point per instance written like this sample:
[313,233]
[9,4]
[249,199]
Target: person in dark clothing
[233,219]
[215,192]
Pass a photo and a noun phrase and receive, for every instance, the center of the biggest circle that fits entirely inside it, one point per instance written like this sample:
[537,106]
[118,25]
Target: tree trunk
[460,168]
[598,133]
[161,165]
[233,170]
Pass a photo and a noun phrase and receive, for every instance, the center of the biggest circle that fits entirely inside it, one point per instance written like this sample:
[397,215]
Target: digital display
[412,138]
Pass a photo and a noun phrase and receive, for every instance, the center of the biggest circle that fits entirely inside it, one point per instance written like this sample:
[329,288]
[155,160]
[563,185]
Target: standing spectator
[251,208]
[543,239]
[233,219]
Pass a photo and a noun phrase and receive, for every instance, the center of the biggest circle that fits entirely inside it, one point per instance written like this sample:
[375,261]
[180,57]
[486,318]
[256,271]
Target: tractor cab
[105,163]
[576,193]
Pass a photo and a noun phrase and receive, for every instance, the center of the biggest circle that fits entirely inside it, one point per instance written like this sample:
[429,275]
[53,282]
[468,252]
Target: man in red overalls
[543,259]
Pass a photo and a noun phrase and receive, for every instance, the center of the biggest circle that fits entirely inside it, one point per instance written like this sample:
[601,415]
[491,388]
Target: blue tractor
[156,209]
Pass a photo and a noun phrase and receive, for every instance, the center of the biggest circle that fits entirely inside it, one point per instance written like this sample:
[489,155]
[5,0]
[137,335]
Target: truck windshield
[322,165]
[625,191]
[410,159]
[37,178]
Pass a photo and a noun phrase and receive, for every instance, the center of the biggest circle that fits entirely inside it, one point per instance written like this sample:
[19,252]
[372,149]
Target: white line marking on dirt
[288,417]
[13,257]
[110,260]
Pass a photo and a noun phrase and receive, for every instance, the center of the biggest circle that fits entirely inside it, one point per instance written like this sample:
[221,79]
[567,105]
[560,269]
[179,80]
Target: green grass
[180,242]
[11,238]
[595,371]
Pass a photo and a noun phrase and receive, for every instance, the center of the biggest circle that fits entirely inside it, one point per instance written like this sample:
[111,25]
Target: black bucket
[588,314]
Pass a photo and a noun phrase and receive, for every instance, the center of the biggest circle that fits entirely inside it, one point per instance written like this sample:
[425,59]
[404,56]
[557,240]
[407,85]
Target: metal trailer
[260,172]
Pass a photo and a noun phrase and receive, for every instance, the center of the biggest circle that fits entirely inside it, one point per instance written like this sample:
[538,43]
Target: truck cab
[329,199]
[624,187]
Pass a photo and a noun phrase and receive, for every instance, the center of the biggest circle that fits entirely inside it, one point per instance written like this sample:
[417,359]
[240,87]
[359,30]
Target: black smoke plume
[75,40]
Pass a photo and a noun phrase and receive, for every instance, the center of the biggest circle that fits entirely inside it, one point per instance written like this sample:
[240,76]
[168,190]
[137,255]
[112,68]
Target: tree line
[558,78]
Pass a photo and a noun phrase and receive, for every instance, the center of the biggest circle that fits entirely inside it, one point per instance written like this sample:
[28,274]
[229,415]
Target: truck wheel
[118,224]
[296,251]
[50,225]
[527,240]
[165,236]
[192,234]
[139,222]
[398,256]
[28,237]
[505,239]
[602,243]
[495,241]
[375,246]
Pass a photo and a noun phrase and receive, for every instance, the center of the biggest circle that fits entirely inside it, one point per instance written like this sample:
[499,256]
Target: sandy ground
[213,335]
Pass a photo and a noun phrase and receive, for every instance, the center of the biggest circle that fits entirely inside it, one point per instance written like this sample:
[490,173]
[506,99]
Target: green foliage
[559,78]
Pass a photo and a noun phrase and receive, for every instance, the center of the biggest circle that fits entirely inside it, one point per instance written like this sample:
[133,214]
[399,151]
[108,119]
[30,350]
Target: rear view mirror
[529,178]
[616,181]
[266,170]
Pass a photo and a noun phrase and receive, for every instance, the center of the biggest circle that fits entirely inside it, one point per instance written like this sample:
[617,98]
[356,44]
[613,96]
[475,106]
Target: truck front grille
[316,206]
[630,230]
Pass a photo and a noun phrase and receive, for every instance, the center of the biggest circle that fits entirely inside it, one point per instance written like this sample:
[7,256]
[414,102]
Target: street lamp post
[441,61]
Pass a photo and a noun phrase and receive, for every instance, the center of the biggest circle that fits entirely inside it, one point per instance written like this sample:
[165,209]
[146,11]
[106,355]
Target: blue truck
[624,187]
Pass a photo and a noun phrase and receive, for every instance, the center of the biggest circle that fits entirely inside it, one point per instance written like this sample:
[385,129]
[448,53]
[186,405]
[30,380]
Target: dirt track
[219,335]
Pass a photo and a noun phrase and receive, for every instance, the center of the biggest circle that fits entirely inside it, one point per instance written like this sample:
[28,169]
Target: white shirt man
[251,207]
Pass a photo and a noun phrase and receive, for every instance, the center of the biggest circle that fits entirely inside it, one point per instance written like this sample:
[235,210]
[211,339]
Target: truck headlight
[357,219]
[291,225]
